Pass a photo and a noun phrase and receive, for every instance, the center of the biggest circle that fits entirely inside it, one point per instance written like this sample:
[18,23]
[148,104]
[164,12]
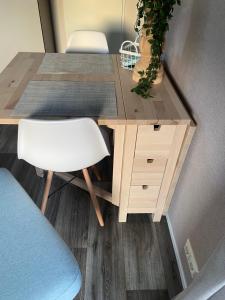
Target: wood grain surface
[164,108]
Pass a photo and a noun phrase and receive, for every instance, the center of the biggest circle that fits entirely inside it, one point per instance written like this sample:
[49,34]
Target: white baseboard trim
[180,266]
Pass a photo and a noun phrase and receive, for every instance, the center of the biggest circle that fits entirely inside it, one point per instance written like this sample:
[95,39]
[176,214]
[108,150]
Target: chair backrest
[61,146]
[82,41]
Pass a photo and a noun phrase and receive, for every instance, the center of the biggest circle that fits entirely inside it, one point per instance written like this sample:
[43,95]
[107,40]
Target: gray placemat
[58,63]
[66,98]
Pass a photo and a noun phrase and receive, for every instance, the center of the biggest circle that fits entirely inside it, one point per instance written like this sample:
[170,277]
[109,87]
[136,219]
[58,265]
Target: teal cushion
[35,263]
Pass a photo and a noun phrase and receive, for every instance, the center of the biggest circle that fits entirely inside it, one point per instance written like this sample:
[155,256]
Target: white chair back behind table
[82,41]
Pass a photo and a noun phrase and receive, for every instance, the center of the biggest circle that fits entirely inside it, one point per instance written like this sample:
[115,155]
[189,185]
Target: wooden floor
[122,261]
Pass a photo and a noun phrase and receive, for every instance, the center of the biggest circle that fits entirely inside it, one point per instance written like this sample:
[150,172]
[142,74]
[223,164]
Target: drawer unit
[148,167]
[151,155]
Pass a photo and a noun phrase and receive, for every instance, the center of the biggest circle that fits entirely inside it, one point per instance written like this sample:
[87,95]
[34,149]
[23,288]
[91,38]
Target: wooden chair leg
[46,191]
[96,172]
[93,196]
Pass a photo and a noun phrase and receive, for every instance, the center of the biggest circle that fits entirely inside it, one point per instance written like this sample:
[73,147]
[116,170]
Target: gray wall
[195,56]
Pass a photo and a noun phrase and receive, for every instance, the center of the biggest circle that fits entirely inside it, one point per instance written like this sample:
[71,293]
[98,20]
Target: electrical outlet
[192,264]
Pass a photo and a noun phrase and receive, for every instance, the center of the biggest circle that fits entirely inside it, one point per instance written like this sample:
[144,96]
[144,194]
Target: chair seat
[87,42]
[35,263]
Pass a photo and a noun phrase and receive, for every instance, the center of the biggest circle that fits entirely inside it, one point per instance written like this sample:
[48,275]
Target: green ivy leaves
[153,16]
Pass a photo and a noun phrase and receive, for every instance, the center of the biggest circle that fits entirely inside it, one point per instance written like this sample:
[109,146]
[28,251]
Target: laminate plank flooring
[105,272]
[122,261]
[81,257]
[172,276]
[147,295]
[73,210]
[8,138]
[141,253]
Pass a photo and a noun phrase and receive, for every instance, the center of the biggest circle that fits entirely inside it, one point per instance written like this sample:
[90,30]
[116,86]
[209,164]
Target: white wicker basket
[129,54]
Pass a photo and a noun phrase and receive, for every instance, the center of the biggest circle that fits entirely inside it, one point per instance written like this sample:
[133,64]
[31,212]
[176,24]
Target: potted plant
[152,21]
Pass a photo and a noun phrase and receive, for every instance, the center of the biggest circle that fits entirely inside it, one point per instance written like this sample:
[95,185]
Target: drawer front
[146,178]
[154,141]
[143,196]
[149,165]
[148,171]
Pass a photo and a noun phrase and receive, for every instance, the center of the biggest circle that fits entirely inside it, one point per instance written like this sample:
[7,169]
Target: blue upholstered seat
[35,263]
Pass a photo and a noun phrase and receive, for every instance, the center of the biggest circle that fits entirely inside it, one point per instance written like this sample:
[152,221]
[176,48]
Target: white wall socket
[192,264]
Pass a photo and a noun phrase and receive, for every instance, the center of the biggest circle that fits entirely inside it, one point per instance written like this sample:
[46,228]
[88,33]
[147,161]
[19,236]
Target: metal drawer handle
[144,187]
[150,160]
[157,127]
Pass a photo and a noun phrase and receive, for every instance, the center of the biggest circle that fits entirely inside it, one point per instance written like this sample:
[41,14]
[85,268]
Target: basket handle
[130,42]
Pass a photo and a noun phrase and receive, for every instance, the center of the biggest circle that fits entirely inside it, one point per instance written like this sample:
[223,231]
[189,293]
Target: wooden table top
[164,108]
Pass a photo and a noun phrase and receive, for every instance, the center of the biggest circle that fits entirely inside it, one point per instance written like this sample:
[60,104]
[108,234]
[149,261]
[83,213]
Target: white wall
[115,18]
[129,20]
[20,29]
[195,55]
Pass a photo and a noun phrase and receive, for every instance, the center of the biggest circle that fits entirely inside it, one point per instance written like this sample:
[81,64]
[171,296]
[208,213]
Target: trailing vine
[153,17]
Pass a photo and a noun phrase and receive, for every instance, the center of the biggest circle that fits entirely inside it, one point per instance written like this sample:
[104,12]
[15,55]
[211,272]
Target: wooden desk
[151,137]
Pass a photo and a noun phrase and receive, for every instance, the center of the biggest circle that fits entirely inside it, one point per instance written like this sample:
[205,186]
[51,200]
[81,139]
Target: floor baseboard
[180,266]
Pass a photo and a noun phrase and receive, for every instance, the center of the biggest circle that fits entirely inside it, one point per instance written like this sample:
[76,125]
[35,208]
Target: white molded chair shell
[62,145]
[87,42]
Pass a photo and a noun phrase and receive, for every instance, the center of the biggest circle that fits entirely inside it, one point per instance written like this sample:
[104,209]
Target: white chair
[62,146]
[87,42]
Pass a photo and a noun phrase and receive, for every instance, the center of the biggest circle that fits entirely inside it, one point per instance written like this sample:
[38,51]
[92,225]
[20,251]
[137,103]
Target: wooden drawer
[143,196]
[150,165]
[148,171]
[154,141]
[146,179]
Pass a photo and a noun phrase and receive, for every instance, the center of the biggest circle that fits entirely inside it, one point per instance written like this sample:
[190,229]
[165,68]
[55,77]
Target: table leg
[119,134]
[129,149]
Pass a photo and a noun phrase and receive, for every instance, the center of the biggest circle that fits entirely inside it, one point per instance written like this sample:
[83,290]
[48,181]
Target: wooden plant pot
[144,61]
